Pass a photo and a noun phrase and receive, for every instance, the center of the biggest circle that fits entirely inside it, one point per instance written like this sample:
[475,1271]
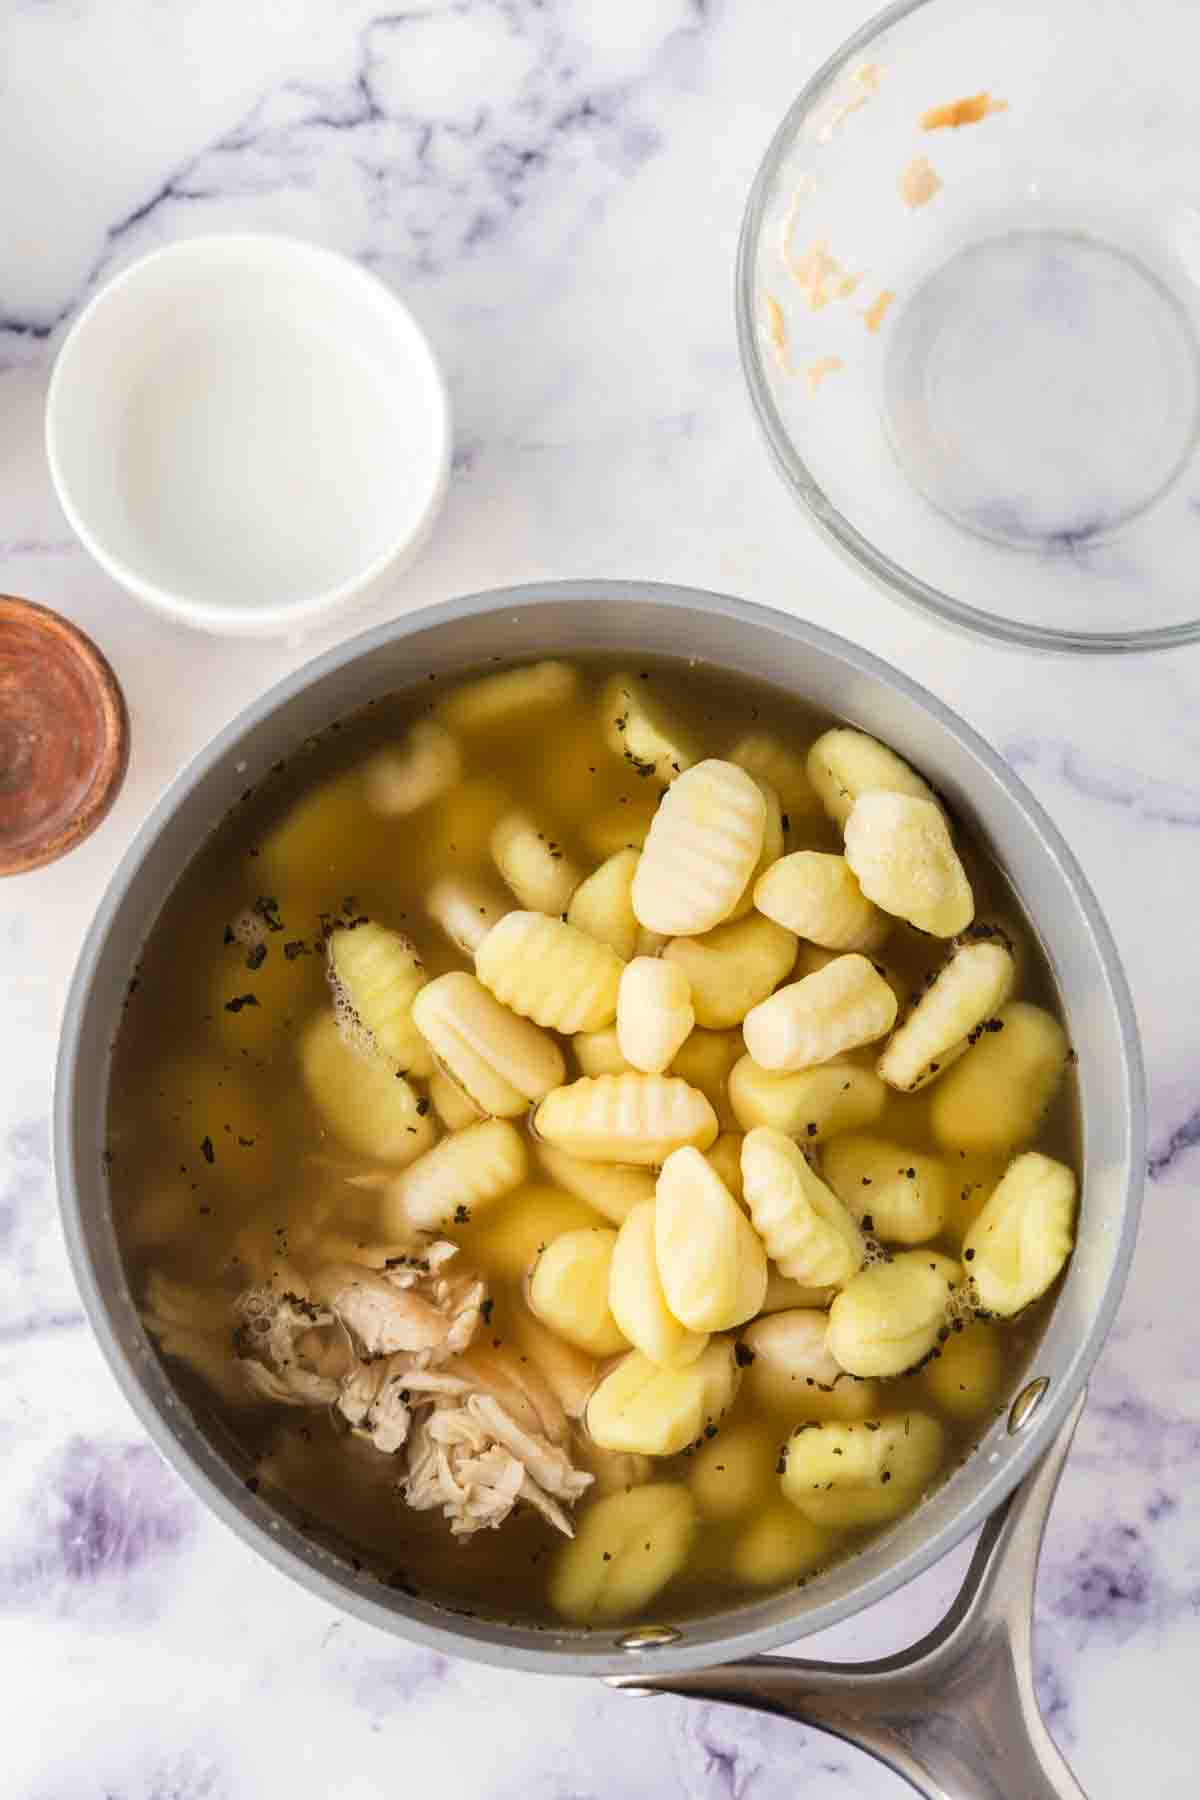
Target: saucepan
[955,1715]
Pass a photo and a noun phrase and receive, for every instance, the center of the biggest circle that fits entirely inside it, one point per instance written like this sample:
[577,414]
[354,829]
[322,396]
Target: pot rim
[253,1520]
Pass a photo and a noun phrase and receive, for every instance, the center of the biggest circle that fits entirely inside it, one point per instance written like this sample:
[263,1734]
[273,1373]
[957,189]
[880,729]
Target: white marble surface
[555,188]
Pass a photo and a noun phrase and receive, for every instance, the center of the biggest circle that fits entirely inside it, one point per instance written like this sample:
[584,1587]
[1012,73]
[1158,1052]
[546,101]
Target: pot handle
[955,1714]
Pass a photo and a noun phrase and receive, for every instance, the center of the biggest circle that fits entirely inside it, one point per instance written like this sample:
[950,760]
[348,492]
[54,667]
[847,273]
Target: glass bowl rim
[858,549]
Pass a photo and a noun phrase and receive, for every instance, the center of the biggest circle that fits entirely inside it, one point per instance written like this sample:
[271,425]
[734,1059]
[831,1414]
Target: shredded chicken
[474,1461]
[384,1336]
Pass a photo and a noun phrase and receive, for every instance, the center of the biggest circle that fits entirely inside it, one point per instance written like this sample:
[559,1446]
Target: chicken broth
[453,1198]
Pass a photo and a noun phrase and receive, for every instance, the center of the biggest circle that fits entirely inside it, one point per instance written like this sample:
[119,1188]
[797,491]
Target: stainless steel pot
[956,1715]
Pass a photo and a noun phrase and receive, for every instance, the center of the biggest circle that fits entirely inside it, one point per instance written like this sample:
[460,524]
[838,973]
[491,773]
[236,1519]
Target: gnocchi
[360,1096]
[815,894]
[952,1013]
[861,1473]
[637,729]
[534,866]
[805,1227]
[465,910]
[844,764]
[846,1004]
[656,1411]
[901,851]
[965,1377]
[612,1191]
[629,1546]
[632,1118]
[711,1263]
[454,1108]
[599,1052]
[733,1473]
[511,697]
[813,1103]
[500,1061]
[794,1373]
[725,1159]
[568,1290]
[772,850]
[380,975]
[654,1013]
[705,1060]
[732,968]
[703,844]
[602,906]
[779,1544]
[461,1174]
[400,782]
[1022,1238]
[900,1195]
[548,971]
[777,767]
[889,1316]
[637,1300]
[995,1098]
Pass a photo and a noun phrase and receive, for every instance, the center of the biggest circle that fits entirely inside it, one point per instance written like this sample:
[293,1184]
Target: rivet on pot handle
[955,1714]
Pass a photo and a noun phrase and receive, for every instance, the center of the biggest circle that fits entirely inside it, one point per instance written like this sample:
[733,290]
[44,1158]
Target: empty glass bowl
[969,313]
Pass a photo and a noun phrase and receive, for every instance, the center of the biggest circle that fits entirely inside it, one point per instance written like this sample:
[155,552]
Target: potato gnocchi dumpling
[654,1013]
[890,1315]
[965,1377]
[996,1096]
[361,1098]
[814,1104]
[611,1190]
[861,1474]
[637,1299]
[400,782]
[779,1544]
[628,1547]
[568,1290]
[500,1061]
[511,697]
[808,1232]
[449,1183]
[902,853]
[725,1159]
[705,1060]
[599,1052]
[844,764]
[953,1012]
[776,766]
[1021,1240]
[466,910]
[811,1021]
[533,864]
[649,1070]
[505,1239]
[702,847]
[816,895]
[641,1406]
[732,968]
[772,850]
[453,1107]
[631,1118]
[794,1374]
[638,729]
[551,973]
[379,974]
[603,904]
[898,1194]
[711,1262]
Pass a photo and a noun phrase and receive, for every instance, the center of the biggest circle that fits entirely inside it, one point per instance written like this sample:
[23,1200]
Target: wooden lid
[64,736]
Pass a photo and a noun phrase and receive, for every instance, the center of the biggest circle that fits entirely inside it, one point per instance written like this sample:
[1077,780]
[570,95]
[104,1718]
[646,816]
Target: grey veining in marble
[556,188]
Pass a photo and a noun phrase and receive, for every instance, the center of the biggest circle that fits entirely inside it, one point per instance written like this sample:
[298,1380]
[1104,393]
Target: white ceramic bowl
[249,433]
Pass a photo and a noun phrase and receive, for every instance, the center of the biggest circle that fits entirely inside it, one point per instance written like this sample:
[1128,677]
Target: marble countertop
[555,187]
